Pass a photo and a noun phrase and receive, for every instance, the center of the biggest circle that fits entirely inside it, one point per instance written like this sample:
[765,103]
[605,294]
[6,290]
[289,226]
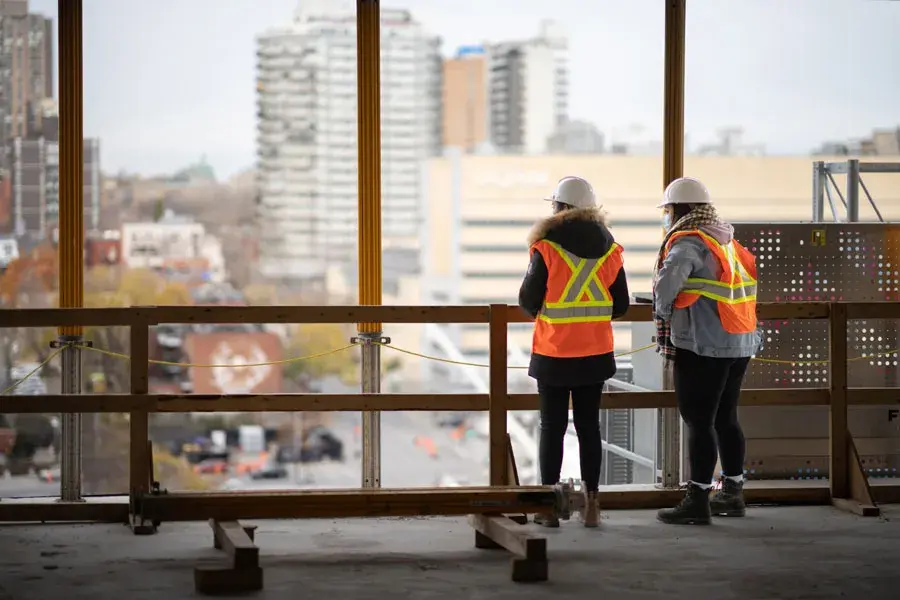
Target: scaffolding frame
[824,184]
[71,226]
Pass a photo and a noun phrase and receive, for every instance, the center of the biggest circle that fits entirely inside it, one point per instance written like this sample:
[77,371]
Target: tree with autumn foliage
[318,338]
[30,280]
[118,286]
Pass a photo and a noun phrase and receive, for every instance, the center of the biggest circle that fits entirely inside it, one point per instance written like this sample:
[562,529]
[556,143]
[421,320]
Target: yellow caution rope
[293,359]
[483,365]
[43,364]
[283,361]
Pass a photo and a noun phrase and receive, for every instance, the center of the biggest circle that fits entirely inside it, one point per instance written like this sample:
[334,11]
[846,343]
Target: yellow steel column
[368,86]
[673,168]
[673,119]
[71,231]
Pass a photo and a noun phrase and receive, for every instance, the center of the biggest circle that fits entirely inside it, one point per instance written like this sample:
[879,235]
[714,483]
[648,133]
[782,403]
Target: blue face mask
[667,221]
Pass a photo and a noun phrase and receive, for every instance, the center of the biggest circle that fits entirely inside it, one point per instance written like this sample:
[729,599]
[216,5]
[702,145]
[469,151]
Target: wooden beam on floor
[529,563]
[16,511]
[250,530]
[242,572]
[860,501]
[386,502]
[312,504]
[512,475]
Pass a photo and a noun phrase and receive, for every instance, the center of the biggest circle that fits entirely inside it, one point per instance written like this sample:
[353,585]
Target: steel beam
[368,86]
[673,168]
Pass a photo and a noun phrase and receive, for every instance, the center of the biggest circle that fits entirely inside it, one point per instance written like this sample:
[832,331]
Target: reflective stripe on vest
[742,287]
[583,282]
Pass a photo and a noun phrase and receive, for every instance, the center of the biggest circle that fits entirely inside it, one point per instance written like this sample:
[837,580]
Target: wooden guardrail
[845,470]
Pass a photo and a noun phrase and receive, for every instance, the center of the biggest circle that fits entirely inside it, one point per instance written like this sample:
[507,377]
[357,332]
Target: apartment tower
[529,95]
[307,144]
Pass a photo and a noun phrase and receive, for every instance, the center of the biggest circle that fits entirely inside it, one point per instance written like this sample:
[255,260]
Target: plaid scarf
[703,214]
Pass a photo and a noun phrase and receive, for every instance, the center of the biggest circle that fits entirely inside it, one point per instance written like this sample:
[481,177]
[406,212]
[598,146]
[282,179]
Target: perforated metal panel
[805,262]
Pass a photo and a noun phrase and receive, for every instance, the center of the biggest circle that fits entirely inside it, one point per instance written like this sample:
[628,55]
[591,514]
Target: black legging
[555,422]
[708,390]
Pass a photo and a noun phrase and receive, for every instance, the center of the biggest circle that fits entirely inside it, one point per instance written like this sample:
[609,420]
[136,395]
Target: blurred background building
[307,165]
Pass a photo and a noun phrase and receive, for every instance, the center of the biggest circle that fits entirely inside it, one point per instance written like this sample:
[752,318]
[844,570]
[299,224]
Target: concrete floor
[799,553]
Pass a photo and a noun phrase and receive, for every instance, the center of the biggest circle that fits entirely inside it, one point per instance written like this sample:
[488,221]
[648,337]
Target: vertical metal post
[818,186]
[71,231]
[368,86]
[852,190]
[70,471]
[371,421]
[673,168]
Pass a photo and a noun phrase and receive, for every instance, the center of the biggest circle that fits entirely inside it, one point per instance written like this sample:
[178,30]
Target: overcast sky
[167,81]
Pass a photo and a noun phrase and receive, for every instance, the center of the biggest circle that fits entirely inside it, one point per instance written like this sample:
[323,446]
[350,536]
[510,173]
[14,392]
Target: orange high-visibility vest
[575,319]
[734,292]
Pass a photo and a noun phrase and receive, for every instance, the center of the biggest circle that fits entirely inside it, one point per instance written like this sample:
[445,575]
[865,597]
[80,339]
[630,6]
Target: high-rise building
[307,145]
[35,185]
[466,99]
[529,96]
[26,70]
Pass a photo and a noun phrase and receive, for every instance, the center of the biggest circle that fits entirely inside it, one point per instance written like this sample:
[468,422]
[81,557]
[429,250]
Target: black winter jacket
[582,232]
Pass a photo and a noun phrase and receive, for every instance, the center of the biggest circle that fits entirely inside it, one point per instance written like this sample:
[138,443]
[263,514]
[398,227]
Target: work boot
[692,510]
[590,514]
[728,501]
[546,520]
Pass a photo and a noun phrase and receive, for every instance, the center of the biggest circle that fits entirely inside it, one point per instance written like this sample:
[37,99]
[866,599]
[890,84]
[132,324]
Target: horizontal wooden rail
[873,396]
[766,311]
[872,310]
[163,403]
[154,315]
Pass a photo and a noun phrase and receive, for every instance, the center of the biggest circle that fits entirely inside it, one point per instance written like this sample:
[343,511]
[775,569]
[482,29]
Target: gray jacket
[697,328]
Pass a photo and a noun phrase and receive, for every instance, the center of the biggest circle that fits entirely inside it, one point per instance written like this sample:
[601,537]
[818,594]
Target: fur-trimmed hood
[543,227]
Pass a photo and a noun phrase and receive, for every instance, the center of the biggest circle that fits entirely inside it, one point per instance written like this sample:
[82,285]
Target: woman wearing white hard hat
[704,290]
[574,287]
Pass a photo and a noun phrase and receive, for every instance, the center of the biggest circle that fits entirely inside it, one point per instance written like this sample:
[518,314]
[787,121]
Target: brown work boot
[590,514]
[728,501]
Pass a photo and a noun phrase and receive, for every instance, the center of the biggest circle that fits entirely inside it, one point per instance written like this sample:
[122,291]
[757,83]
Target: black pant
[708,390]
[555,422]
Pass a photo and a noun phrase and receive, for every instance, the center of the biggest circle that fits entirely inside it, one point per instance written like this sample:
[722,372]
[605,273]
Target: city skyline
[158,105]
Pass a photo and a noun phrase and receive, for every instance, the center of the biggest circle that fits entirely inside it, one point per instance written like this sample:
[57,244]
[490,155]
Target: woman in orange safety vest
[574,287]
[705,305]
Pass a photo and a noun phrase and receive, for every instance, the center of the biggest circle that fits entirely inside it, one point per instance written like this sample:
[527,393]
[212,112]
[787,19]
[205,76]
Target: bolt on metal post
[70,459]
[370,383]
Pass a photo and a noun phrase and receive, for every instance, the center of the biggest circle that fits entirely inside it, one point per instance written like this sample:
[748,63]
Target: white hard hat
[685,190]
[575,192]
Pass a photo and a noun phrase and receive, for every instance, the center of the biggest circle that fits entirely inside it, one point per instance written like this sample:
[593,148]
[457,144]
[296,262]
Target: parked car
[320,444]
[451,419]
[269,472]
[211,466]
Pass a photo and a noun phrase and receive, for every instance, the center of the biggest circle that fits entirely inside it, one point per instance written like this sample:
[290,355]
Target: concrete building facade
[465,99]
[481,208]
[307,145]
[529,96]
[34,172]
